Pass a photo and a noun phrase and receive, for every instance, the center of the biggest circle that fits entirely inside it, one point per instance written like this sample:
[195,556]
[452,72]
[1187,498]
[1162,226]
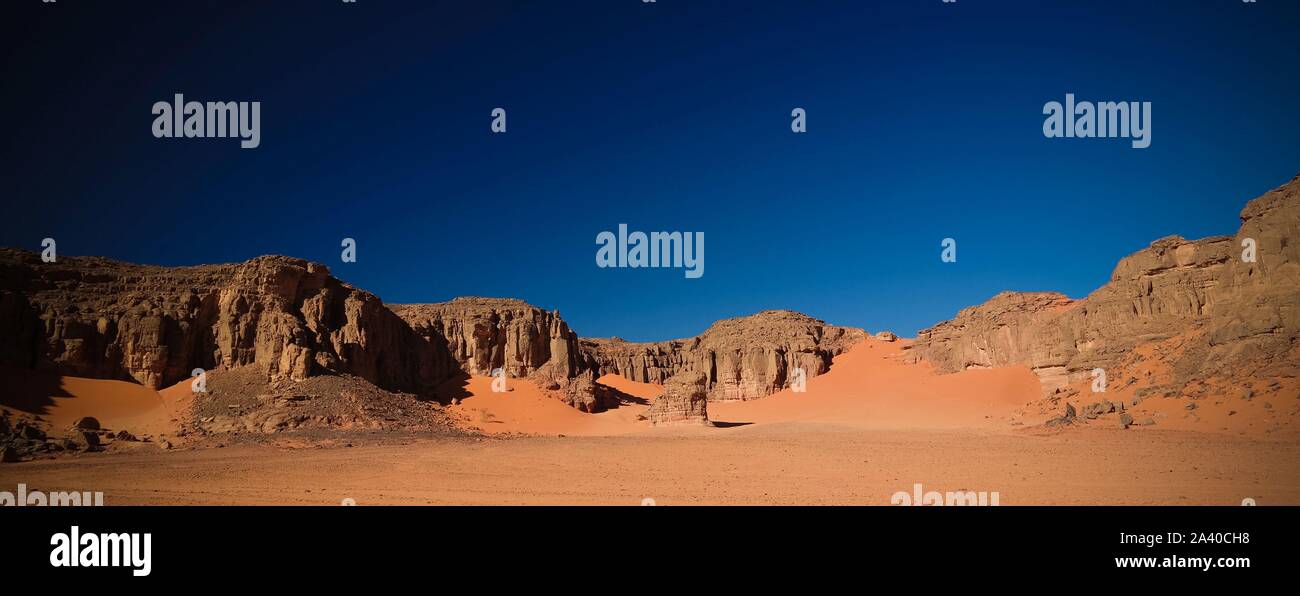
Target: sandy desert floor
[787,463]
[870,427]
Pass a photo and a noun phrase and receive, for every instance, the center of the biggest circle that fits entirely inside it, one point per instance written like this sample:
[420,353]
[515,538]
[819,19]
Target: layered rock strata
[685,400]
[1218,311]
[94,317]
[523,341]
[741,358]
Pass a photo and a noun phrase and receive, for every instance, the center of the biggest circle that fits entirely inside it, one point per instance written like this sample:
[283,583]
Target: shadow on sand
[617,398]
[721,424]
[30,391]
[453,388]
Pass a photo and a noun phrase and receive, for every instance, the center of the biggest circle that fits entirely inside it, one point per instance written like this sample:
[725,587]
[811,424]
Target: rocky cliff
[1214,311]
[94,317]
[485,334]
[741,358]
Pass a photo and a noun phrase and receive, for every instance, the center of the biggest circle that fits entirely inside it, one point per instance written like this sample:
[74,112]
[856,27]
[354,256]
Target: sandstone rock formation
[94,317]
[685,400]
[98,318]
[486,334]
[741,358]
[644,362]
[1205,310]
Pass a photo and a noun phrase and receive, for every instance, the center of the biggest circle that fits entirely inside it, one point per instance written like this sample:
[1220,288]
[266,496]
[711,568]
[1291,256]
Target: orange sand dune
[177,400]
[637,390]
[869,427]
[61,400]
[526,408]
[871,387]
[868,387]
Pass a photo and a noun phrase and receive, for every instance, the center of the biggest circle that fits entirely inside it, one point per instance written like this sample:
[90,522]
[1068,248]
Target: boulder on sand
[685,400]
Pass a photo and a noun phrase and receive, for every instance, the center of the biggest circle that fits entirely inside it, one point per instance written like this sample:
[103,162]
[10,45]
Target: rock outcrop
[98,318]
[1215,313]
[486,334]
[685,400]
[741,358]
[26,436]
[644,362]
[239,401]
[94,317]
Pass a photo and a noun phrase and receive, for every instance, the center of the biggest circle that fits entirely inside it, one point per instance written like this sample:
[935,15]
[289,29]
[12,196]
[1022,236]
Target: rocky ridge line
[1206,312]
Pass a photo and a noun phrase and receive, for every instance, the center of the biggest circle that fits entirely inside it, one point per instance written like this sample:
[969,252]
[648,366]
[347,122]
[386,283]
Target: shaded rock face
[484,334]
[644,362]
[1229,318]
[741,358]
[685,400]
[94,317]
[98,318]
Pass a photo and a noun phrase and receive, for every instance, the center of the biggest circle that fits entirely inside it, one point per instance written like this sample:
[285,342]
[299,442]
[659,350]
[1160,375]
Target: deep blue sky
[924,122]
